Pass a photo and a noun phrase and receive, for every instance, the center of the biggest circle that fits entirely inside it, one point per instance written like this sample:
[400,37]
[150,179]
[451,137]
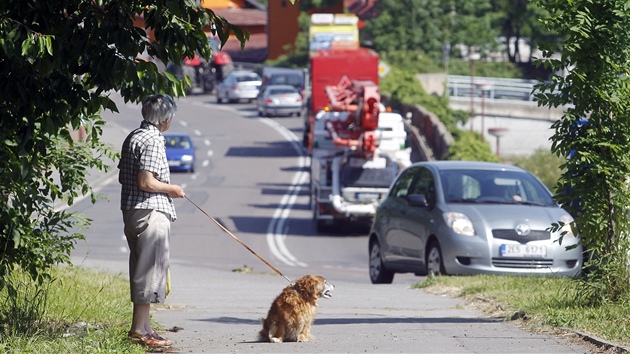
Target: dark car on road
[462,217]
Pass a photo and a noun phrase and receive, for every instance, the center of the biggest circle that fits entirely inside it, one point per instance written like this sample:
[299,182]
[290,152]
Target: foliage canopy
[58,63]
[594,132]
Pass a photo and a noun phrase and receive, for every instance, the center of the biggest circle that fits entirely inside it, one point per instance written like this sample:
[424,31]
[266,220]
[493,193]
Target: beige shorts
[147,233]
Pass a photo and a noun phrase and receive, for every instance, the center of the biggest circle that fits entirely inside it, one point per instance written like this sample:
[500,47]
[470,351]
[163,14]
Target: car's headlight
[187,158]
[566,229]
[460,223]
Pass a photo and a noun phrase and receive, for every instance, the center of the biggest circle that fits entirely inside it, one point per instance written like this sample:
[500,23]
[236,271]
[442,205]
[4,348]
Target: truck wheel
[434,262]
[208,86]
[378,273]
[320,225]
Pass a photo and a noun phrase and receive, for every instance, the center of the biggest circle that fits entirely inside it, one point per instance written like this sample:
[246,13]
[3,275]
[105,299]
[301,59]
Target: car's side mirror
[418,200]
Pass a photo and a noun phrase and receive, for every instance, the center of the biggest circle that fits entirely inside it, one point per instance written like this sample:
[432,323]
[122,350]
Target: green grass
[544,303]
[85,312]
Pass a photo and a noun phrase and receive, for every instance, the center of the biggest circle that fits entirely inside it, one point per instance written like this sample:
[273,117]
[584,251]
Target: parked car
[180,152]
[239,85]
[462,217]
[279,100]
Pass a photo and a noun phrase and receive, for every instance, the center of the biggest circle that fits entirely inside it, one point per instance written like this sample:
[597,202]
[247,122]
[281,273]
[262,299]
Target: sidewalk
[218,312]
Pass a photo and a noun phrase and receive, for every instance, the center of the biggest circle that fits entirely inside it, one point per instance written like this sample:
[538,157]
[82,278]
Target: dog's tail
[263,335]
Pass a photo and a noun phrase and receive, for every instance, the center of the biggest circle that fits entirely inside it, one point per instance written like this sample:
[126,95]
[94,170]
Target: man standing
[148,210]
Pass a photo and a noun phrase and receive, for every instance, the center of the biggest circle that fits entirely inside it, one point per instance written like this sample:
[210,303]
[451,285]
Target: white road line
[275,231]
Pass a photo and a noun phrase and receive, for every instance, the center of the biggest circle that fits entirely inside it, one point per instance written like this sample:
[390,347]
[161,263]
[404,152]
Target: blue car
[180,152]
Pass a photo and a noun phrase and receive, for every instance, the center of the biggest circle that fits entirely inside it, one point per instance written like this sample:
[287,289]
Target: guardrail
[491,87]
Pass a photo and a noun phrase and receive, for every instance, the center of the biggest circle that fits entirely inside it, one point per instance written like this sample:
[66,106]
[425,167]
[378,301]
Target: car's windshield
[493,186]
[286,79]
[378,173]
[181,142]
[246,78]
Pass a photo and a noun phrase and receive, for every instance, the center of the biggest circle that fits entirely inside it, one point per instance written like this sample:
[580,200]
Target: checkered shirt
[144,149]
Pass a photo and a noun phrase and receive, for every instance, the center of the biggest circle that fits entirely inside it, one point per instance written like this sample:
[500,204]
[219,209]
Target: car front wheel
[378,273]
[434,261]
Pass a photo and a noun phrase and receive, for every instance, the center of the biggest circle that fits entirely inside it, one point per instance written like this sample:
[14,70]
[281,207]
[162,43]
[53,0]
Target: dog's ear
[306,286]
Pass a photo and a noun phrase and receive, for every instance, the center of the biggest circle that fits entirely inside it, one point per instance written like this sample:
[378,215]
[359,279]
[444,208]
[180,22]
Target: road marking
[276,230]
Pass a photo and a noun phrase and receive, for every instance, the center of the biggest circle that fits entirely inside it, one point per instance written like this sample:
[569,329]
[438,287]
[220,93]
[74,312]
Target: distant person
[148,210]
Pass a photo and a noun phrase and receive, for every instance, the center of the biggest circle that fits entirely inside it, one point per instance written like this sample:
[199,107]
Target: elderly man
[148,210]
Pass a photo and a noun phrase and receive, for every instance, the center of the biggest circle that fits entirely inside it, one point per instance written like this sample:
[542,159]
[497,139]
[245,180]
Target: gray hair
[156,109]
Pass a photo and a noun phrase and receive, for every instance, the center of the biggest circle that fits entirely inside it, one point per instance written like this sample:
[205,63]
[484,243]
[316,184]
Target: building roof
[362,8]
[255,49]
[243,17]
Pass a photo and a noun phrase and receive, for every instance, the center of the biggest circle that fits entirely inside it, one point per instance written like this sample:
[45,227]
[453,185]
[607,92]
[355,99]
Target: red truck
[329,68]
[354,156]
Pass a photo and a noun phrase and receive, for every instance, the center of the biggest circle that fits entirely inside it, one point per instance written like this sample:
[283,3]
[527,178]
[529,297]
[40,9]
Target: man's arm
[148,183]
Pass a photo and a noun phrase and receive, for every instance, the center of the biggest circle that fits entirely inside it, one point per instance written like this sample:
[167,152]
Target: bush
[543,164]
[469,147]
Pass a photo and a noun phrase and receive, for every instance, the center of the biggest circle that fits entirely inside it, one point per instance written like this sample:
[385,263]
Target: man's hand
[176,191]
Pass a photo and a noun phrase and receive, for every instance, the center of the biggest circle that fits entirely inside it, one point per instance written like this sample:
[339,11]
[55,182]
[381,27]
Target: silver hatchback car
[279,100]
[239,85]
[461,217]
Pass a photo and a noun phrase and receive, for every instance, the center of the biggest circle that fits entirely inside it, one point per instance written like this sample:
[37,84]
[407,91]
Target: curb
[604,344]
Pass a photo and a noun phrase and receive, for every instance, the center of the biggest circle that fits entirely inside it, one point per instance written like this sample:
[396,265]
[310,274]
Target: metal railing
[491,87]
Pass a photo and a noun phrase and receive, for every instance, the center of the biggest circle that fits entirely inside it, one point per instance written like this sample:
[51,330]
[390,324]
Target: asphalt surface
[210,311]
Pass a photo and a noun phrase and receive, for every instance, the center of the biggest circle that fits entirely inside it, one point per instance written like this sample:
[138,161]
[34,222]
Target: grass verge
[85,311]
[539,302]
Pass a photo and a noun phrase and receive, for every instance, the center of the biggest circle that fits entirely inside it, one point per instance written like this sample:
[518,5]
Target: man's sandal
[150,340]
[157,336]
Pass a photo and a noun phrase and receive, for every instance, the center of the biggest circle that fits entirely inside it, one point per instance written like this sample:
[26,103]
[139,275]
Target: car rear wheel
[434,261]
[378,273]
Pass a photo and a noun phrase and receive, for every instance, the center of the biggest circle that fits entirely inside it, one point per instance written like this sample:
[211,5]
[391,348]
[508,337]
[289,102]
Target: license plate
[174,163]
[368,196]
[523,251]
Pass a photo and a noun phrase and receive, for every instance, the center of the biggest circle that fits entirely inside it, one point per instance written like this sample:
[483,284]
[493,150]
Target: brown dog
[292,313]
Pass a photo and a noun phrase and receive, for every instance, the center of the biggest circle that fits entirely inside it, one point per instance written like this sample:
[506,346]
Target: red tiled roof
[255,49]
[243,17]
[362,8]
[256,41]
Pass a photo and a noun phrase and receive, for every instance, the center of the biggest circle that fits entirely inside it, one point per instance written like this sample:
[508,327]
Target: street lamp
[484,87]
[472,56]
[498,132]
